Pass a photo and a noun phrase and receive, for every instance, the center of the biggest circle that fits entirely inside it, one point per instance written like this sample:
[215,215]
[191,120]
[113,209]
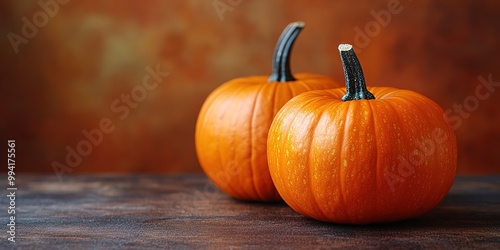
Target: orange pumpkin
[232,126]
[370,155]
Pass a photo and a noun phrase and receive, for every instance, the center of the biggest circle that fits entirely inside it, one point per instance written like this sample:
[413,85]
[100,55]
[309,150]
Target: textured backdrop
[121,82]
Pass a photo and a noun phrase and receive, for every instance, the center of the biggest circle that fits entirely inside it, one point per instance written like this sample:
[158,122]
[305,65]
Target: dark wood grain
[187,211]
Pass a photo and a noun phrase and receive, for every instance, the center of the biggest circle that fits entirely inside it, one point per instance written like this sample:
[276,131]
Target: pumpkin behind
[232,126]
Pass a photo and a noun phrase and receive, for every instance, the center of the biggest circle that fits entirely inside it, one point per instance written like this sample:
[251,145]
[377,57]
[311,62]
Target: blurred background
[67,68]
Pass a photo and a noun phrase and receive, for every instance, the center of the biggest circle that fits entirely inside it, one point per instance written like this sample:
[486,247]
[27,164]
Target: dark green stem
[282,53]
[354,79]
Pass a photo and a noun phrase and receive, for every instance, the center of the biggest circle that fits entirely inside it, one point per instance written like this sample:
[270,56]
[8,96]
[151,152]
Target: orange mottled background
[87,54]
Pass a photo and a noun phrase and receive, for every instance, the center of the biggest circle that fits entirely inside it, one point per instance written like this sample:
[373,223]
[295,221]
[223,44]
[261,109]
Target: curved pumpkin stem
[354,80]
[282,52]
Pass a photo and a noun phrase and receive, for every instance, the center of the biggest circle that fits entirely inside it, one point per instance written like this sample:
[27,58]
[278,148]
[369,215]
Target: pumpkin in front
[370,155]
[232,127]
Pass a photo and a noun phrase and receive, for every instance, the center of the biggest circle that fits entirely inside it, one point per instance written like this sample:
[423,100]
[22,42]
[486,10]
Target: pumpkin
[361,156]
[233,123]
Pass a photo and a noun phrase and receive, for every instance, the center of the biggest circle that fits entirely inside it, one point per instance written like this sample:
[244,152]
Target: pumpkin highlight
[233,124]
[368,155]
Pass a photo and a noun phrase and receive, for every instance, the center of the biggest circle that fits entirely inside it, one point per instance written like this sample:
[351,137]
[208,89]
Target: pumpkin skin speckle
[362,161]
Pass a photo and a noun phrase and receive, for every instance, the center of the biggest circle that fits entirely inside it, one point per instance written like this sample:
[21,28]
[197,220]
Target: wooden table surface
[187,211]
